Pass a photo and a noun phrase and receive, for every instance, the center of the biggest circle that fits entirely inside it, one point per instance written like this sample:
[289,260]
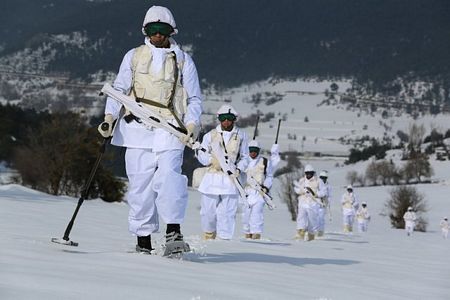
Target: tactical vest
[348,201]
[312,183]
[258,172]
[159,91]
[231,148]
[361,214]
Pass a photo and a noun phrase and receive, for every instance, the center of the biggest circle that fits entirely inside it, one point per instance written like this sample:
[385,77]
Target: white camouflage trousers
[253,216]
[218,214]
[321,212]
[362,225]
[409,227]
[307,217]
[156,188]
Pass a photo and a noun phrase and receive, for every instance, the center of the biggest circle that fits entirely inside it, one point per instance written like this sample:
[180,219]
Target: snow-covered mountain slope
[309,124]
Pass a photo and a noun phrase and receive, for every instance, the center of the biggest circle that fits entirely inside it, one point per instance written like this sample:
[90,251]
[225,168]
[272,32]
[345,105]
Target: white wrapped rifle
[228,169]
[148,117]
[267,198]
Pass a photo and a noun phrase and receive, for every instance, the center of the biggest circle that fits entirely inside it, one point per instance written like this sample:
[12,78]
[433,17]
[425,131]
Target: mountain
[386,47]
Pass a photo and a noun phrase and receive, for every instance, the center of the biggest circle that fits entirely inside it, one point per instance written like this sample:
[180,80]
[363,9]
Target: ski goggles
[229,117]
[158,27]
[253,149]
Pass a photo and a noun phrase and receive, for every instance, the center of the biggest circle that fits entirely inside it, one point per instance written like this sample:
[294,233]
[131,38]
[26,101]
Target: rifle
[278,131]
[256,128]
[267,198]
[228,169]
[150,118]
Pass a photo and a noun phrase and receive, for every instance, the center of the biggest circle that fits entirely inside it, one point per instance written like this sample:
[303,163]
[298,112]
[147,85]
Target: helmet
[323,174]
[227,109]
[159,14]
[309,168]
[349,187]
[254,143]
[409,208]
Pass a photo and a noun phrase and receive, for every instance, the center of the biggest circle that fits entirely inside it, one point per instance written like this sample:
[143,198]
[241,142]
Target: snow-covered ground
[381,264]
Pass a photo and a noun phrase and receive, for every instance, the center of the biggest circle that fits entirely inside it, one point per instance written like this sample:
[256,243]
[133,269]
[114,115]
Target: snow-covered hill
[310,125]
[381,264]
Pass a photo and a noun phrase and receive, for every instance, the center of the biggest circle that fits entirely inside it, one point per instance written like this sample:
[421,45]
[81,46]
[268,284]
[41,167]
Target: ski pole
[66,240]
[256,128]
[278,131]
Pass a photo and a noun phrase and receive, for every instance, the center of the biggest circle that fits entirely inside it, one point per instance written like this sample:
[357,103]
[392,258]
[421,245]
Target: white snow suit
[322,209]
[154,157]
[308,204]
[349,207]
[444,228]
[219,195]
[261,170]
[410,222]
[363,218]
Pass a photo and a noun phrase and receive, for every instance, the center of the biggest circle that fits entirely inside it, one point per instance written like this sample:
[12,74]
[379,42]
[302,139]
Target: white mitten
[192,131]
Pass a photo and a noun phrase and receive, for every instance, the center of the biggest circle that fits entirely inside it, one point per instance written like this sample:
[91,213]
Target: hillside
[386,48]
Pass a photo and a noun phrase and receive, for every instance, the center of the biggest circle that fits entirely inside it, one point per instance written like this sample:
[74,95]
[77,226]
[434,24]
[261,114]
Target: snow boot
[346,228]
[300,234]
[248,235]
[310,236]
[319,233]
[256,236]
[209,235]
[144,244]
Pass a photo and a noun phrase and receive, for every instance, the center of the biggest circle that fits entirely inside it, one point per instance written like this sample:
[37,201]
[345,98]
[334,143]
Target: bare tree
[417,167]
[372,173]
[401,198]
[416,134]
[287,193]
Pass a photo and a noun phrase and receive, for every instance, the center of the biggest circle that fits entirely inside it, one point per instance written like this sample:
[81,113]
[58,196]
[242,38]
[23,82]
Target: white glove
[275,149]
[106,127]
[234,174]
[192,131]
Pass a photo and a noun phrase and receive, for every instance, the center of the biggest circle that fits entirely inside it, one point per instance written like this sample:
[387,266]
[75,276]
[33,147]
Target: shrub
[58,159]
[401,198]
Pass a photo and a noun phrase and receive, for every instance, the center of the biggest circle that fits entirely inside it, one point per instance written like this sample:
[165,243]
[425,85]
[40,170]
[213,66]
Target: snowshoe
[175,245]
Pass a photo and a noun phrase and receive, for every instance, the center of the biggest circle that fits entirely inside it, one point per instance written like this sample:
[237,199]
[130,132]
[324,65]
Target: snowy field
[381,264]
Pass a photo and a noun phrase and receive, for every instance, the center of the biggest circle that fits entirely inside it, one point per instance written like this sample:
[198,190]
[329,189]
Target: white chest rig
[231,148]
[258,171]
[312,183]
[348,200]
[162,92]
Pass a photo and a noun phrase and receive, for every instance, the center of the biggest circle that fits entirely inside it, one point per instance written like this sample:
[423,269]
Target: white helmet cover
[254,143]
[323,174]
[309,168]
[159,14]
[227,109]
